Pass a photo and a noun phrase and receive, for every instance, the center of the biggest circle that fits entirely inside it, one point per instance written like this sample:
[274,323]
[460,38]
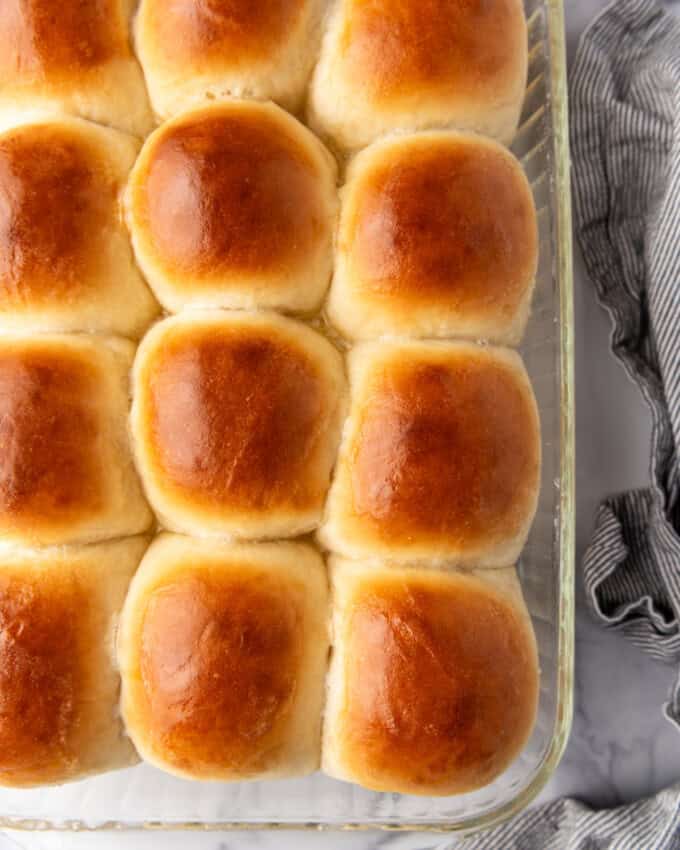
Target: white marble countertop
[621,747]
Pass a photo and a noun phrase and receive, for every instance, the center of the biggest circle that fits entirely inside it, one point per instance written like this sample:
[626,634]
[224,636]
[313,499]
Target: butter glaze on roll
[222,650]
[193,50]
[234,205]
[452,693]
[419,64]
[236,420]
[58,686]
[66,471]
[440,458]
[66,263]
[75,58]
[437,238]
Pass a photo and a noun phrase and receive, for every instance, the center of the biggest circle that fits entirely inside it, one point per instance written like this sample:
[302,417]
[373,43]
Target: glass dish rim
[565,614]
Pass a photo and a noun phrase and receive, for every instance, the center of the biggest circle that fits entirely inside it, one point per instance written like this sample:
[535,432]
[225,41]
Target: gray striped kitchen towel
[651,824]
[625,120]
[625,138]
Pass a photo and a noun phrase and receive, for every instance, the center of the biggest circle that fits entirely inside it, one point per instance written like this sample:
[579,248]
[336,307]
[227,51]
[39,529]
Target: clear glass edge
[559,98]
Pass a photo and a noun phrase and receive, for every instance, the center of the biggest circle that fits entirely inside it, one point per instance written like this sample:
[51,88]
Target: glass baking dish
[142,797]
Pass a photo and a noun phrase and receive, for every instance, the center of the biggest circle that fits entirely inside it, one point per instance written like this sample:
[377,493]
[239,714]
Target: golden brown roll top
[234,205]
[440,459]
[192,50]
[65,259]
[66,472]
[74,58]
[438,237]
[453,687]
[222,651]
[40,44]
[236,419]
[410,64]
[58,687]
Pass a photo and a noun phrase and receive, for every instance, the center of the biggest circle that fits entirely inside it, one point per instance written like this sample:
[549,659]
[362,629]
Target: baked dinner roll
[234,205]
[418,64]
[65,259]
[440,458]
[193,50]
[438,238]
[222,650]
[236,420]
[66,471]
[433,687]
[58,687]
[72,56]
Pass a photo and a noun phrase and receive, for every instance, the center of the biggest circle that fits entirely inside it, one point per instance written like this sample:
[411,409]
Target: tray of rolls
[286,422]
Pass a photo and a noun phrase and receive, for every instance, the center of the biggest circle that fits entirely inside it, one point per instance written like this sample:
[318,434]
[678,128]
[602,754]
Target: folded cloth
[625,122]
[651,824]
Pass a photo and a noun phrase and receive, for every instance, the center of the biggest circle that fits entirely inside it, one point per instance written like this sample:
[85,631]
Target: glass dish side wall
[144,797]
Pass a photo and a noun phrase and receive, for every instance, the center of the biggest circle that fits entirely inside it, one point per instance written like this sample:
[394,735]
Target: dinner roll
[195,50]
[66,471]
[417,64]
[222,650]
[440,459]
[452,693]
[234,205]
[236,420]
[58,687]
[72,56]
[65,259]
[438,238]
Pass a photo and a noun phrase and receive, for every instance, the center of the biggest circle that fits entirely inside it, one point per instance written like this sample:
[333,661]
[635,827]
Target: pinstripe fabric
[652,824]
[625,118]
[625,106]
